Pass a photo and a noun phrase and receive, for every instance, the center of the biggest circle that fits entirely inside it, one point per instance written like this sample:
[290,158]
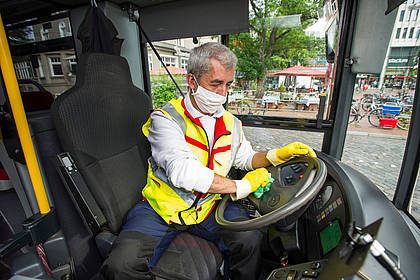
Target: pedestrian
[195,142]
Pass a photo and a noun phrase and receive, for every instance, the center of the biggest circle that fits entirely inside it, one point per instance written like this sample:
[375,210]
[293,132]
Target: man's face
[217,80]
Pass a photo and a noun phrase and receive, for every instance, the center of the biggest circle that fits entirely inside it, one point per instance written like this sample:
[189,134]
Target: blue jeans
[144,219]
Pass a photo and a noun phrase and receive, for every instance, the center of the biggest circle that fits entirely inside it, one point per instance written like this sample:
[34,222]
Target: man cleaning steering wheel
[195,142]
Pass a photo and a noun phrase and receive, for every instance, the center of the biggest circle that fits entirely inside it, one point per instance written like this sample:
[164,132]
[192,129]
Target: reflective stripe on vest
[168,200]
[187,196]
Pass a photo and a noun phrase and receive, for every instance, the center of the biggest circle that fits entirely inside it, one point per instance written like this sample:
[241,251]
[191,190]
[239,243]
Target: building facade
[55,68]
[404,46]
[175,52]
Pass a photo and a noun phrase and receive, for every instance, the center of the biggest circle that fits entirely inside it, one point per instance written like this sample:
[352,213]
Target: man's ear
[191,82]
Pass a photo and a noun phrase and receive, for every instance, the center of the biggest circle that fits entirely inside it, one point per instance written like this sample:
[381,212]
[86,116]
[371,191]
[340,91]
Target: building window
[333,7]
[45,30]
[180,42]
[169,60]
[73,65]
[404,35]
[63,29]
[184,63]
[414,15]
[408,15]
[402,15]
[410,35]
[418,34]
[24,70]
[55,63]
[150,61]
[44,34]
[397,36]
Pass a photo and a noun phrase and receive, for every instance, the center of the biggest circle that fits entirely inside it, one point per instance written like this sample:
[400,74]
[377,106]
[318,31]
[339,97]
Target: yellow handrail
[15,99]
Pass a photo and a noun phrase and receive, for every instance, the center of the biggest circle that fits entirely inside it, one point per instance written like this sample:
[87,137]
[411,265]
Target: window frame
[52,63]
[402,14]
[164,57]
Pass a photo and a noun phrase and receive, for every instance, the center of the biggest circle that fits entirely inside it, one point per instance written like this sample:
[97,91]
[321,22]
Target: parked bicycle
[404,118]
[388,115]
[378,98]
[373,112]
[248,106]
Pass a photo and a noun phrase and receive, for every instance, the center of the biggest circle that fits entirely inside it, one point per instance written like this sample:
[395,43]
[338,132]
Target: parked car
[34,96]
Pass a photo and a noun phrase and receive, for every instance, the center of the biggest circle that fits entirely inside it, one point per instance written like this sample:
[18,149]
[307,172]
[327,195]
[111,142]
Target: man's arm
[221,184]
[260,160]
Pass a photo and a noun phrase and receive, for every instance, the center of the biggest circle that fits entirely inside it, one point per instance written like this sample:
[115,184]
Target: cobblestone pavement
[378,156]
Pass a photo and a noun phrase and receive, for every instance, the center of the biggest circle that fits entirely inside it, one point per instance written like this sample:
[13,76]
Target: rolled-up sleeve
[172,153]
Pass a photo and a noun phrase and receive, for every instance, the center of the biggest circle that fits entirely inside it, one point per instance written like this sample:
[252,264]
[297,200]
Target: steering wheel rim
[304,194]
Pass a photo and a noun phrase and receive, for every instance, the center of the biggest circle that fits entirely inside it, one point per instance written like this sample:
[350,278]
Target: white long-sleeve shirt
[172,153]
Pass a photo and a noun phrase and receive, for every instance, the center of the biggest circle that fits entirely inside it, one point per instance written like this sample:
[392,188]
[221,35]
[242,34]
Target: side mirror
[331,37]
[329,50]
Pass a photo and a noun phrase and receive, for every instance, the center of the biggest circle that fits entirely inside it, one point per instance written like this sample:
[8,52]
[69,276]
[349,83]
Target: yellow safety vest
[177,205]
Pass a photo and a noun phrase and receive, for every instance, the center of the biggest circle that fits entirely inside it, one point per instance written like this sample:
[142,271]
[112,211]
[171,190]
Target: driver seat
[98,122]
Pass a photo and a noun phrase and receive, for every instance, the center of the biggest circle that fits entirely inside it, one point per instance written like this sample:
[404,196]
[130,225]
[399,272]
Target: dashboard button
[316,265]
[310,273]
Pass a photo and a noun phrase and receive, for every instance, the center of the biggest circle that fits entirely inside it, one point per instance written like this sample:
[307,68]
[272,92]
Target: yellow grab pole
[15,99]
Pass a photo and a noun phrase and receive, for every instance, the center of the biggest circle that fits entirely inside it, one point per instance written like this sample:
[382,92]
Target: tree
[269,44]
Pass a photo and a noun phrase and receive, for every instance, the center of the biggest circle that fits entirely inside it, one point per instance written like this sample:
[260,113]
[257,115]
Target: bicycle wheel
[365,103]
[244,109]
[375,116]
[404,121]
[353,115]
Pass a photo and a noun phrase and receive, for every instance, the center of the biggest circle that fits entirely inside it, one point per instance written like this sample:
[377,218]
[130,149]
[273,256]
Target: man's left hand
[278,156]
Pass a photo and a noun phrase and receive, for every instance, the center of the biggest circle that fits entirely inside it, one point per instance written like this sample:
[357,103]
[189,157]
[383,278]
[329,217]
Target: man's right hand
[257,178]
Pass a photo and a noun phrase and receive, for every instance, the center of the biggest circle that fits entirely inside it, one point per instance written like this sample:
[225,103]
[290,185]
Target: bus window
[264,139]
[380,115]
[43,52]
[282,65]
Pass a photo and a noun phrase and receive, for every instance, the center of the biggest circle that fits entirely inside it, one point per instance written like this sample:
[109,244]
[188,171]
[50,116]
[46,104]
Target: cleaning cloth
[261,190]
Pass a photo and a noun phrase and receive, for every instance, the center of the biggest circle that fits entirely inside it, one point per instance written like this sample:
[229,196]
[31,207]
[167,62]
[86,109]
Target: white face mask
[208,102]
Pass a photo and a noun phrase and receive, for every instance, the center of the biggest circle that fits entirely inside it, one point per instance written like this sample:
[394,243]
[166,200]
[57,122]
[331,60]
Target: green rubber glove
[261,190]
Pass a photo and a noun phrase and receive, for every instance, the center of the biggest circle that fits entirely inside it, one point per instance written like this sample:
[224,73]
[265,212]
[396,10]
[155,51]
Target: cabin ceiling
[18,10]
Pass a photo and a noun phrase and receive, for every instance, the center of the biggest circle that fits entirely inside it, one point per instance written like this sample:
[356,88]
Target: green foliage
[288,45]
[163,92]
[246,49]
[282,88]
[414,72]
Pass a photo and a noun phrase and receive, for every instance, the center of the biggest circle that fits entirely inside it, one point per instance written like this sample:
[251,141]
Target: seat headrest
[97,67]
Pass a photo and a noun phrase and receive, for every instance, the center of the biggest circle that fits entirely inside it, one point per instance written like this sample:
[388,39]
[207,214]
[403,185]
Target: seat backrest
[99,123]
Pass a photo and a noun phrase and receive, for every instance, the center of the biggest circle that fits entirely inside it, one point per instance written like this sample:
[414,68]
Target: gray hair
[199,62]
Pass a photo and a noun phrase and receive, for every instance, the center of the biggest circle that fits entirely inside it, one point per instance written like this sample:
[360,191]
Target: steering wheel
[283,203]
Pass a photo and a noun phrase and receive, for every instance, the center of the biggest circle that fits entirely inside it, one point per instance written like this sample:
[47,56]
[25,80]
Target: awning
[402,77]
[300,71]
[174,71]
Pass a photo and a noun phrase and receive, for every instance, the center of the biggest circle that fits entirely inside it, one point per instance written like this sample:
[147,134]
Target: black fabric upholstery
[99,123]
[187,257]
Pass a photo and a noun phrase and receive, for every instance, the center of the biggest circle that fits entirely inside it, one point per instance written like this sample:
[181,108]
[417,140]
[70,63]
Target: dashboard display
[330,236]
